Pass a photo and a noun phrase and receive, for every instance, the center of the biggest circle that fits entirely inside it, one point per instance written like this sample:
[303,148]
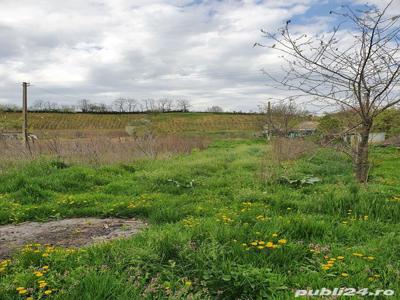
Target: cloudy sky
[100,50]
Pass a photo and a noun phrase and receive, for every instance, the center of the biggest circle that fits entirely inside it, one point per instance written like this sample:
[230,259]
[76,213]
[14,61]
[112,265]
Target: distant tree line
[119,105]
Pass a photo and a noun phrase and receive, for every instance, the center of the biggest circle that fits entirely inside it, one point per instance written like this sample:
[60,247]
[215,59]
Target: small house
[303,129]
[374,138]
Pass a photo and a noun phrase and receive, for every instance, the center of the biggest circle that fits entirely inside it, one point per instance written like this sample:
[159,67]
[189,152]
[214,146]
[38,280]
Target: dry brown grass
[284,149]
[281,152]
[98,150]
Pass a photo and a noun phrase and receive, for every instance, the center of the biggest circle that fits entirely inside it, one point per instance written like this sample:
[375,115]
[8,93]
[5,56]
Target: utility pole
[25,113]
[269,120]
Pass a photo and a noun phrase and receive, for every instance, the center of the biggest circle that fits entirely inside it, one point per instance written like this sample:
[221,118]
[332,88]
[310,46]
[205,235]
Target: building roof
[307,125]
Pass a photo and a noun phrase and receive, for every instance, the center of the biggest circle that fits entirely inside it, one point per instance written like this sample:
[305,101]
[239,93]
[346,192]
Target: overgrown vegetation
[218,230]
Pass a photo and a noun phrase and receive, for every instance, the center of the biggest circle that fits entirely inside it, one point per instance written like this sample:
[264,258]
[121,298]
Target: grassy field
[67,124]
[218,229]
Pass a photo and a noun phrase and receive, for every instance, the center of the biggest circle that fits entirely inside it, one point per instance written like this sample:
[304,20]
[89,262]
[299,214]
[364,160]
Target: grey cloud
[142,48]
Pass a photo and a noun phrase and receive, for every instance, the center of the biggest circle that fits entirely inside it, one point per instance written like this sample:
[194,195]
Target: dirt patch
[76,232]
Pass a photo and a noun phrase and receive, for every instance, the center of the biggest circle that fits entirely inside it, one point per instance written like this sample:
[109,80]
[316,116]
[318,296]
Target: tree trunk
[361,158]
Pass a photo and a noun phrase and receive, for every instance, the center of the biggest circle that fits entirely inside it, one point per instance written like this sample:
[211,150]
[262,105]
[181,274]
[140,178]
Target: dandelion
[345,274]
[38,274]
[188,283]
[371,257]
[43,285]
[261,242]
[282,241]
[22,292]
[358,254]
[340,257]
[260,247]
[29,298]
[274,235]
[253,243]
[20,288]
[48,292]
[45,254]
[270,245]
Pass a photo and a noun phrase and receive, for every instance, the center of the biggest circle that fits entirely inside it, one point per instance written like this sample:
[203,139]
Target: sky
[200,50]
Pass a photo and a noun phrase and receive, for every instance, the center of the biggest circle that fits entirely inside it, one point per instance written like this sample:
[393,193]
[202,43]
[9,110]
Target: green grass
[204,211]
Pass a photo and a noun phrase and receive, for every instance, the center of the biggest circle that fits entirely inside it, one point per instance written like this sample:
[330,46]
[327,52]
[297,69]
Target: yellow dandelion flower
[260,247]
[270,244]
[274,235]
[29,298]
[48,292]
[22,292]
[340,257]
[45,254]
[253,243]
[282,242]
[20,288]
[261,242]
[371,257]
[344,274]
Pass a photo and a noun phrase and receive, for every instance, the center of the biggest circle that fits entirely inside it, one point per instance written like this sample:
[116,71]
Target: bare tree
[282,116]
[38,105]
[183,105]
[149,105]
[119,104]
[215,109]
[164,104]
[131,104]
[84,105]
[362,75]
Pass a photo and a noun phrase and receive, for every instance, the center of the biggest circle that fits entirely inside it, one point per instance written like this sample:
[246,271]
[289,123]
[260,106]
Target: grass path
[217,231]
